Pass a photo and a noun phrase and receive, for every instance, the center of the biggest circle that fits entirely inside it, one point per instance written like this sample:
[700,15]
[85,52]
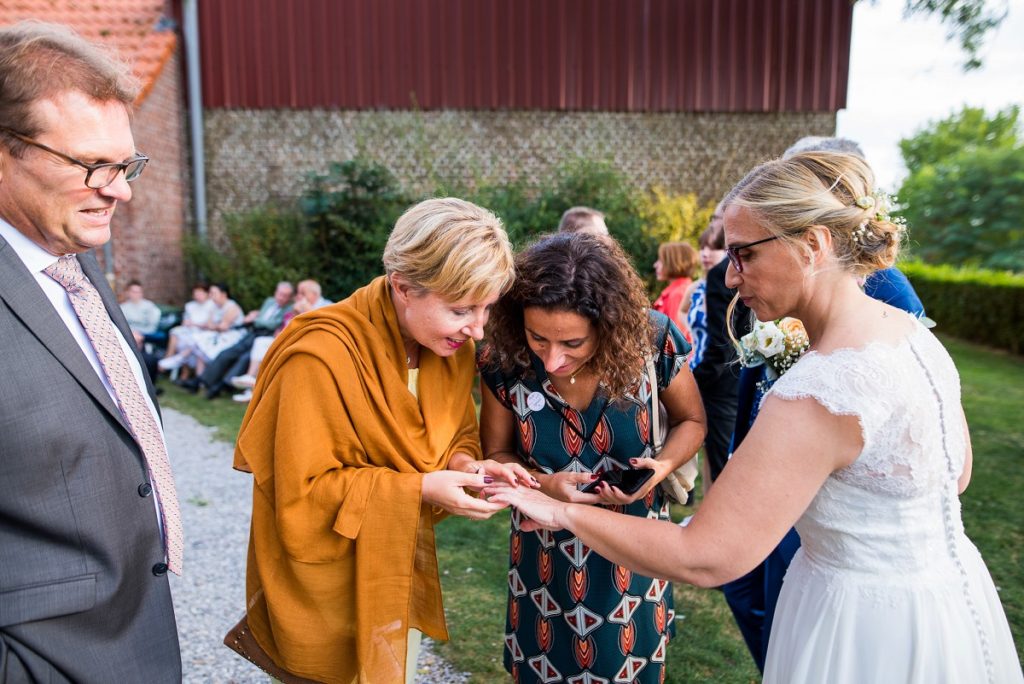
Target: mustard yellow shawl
[341,551]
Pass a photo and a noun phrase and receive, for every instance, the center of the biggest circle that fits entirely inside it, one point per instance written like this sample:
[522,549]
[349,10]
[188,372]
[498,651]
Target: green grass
[473,556]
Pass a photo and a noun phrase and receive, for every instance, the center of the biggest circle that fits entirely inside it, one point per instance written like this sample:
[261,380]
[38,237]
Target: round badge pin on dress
[535,401]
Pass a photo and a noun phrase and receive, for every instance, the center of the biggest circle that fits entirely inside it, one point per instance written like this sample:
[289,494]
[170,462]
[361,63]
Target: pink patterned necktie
[93,315]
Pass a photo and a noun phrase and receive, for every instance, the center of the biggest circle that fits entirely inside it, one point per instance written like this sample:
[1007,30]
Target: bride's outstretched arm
[791,450]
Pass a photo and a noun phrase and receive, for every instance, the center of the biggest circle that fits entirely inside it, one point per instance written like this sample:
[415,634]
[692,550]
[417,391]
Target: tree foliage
[969,130]
[964,197]
[968,21]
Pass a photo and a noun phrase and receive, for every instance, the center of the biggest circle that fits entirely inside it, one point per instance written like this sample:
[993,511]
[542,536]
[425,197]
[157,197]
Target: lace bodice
[906,398]
[896,505]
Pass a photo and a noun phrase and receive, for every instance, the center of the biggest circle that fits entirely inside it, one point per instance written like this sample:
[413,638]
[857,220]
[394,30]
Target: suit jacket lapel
[21,292]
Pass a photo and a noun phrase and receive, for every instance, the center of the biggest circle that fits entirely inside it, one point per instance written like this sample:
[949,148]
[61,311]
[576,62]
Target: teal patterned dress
[574,616]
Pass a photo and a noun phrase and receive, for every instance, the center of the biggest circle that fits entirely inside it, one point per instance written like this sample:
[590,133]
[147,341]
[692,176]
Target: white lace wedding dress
[887,587]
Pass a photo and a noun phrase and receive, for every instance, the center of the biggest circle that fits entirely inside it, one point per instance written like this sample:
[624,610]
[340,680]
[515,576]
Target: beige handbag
[680,481]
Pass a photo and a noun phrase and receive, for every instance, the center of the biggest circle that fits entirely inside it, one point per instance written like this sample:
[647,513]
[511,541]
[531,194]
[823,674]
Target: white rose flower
[770,340]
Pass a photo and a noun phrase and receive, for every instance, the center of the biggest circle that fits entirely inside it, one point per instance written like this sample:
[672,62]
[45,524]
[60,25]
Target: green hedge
[972,304]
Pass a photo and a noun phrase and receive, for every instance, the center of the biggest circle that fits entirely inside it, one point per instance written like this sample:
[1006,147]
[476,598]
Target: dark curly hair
[588,276]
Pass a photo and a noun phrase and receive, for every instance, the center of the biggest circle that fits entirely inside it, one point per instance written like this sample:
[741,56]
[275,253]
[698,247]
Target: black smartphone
[628,481]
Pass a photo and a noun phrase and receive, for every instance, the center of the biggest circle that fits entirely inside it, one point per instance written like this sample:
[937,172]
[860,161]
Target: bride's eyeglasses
[733,252]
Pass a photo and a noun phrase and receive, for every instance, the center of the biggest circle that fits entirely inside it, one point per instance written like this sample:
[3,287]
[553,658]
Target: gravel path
[208,600]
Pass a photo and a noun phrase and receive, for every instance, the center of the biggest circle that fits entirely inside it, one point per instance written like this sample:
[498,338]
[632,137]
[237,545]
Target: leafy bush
[674,218]
[261,248]
[336,236]
[582,182]
[969,129]
[349,213]
[972,304]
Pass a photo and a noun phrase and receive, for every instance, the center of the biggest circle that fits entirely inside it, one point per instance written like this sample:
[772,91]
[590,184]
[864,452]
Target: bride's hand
[540,511]
[512,473]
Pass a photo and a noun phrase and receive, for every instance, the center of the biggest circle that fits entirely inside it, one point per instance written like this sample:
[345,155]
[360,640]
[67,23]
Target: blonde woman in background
[361,430]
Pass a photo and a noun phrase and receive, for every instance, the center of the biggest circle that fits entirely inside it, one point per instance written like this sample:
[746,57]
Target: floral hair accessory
[776,344]
[881,203]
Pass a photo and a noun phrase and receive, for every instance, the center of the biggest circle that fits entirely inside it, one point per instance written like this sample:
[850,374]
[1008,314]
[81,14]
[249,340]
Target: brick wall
[147,231]
[254,157]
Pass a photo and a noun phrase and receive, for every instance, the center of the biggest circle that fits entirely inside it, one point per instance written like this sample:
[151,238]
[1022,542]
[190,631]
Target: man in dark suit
[717,374]
[89,521]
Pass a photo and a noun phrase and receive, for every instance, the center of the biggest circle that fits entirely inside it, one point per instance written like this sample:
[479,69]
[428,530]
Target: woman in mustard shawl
[361,431]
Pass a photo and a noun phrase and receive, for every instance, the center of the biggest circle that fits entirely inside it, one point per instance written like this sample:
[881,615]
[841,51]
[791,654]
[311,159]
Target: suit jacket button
[160,569]
[145,489]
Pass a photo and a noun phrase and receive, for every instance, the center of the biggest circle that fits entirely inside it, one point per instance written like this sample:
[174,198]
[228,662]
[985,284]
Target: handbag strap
[656,440]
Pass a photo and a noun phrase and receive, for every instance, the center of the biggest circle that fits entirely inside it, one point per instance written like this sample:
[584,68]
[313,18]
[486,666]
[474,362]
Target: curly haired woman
[570,397]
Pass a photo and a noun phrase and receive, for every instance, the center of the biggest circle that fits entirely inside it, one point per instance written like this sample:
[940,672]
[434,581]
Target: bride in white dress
[863,445]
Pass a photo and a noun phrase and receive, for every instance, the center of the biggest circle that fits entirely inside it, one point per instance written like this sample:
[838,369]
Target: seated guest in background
[263,321]
[143,315]
[226,327]
[569,395]
[307,298]
[583,220]
[677,264]
[268,317]
[198,314]
[223,331]
[310,292]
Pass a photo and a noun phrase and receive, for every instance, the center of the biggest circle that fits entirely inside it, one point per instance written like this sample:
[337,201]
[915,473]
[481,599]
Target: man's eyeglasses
[96,175]
[734,252]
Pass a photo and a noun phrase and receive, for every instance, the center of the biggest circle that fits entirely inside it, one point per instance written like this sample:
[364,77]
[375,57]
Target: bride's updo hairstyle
[830,189]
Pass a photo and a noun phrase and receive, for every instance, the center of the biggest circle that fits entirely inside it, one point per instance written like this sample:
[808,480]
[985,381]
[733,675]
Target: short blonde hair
[678,260]
[452,248]
[830,189]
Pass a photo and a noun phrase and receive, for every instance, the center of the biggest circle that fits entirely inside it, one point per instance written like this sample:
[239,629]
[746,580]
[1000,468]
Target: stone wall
[148,230]
[255,157]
